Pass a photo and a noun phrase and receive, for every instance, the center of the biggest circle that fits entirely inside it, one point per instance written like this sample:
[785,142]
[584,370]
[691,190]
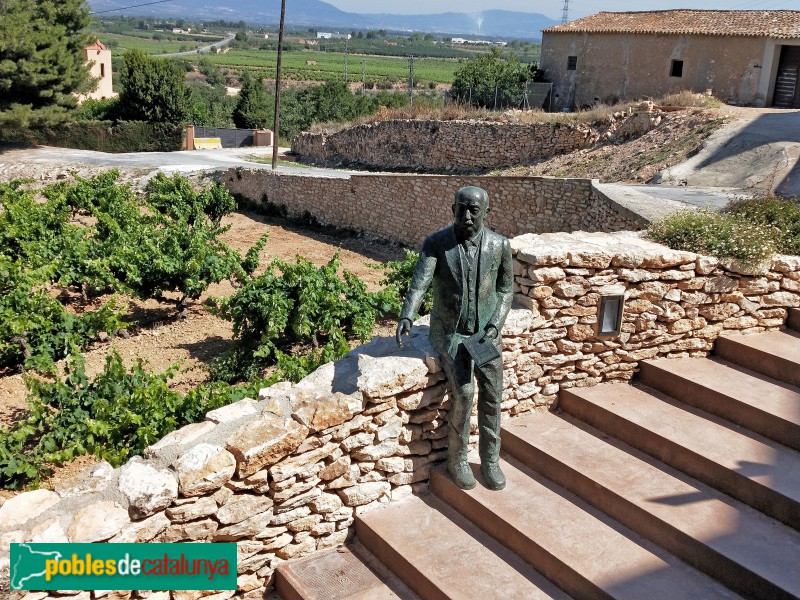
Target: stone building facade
[98,57]
[743,57]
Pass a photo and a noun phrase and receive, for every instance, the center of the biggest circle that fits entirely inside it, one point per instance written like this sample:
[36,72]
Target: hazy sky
[552,8]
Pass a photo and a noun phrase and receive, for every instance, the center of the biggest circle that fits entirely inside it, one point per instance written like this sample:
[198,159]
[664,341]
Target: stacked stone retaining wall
[285,475]
[405,208]
[461,146]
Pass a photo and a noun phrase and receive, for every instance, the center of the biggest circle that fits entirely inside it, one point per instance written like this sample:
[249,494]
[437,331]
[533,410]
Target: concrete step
[793,319]
[574,545]
[775,354]
[347,573]
[440,555]
[751,468]
[740,547]
[755,401]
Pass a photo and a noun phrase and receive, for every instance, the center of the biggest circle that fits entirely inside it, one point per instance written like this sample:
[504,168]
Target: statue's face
[469,211]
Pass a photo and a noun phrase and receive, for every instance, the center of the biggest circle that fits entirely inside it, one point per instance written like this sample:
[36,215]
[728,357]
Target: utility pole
[411,80]
[565,12]
[276,121]
[345,60]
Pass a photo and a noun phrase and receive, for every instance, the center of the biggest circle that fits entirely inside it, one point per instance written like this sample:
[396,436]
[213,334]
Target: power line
[100,12]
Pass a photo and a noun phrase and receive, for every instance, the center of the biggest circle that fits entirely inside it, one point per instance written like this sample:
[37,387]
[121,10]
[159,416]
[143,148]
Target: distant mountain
[499,23]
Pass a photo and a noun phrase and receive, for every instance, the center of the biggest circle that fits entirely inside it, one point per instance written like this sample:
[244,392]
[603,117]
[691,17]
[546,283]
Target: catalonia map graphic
[30,565]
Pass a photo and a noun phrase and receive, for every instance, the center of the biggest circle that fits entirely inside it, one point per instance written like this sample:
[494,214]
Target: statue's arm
[504,289]
[420,282]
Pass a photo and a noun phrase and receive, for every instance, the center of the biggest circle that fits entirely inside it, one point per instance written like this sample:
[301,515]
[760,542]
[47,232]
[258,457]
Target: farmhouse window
[677,69]
[572,63]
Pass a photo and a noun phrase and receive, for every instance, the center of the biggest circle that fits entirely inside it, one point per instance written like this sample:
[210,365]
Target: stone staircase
[683,485]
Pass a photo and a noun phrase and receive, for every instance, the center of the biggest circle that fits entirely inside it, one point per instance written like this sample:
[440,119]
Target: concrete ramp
[760,152]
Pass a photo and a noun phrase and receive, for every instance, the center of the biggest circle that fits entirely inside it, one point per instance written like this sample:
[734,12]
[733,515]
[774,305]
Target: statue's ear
[487,211]
[453,208]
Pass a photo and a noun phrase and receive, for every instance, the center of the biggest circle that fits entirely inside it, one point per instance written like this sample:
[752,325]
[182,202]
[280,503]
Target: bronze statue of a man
[471,270]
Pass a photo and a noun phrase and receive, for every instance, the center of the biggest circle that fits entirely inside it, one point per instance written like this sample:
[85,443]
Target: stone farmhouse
[99,57]
[749,57]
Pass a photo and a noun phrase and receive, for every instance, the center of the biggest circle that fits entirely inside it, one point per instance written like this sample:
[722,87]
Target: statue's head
[469,209]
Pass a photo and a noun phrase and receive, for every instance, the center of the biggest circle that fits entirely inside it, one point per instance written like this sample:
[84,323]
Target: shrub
[101,136]
[35,329]
[114,416]
[398,275]
[716,234]
[783,216]
[296,309]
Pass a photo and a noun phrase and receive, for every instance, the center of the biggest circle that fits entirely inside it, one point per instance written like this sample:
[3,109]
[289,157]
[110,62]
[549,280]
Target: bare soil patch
[680,134]
[159,340]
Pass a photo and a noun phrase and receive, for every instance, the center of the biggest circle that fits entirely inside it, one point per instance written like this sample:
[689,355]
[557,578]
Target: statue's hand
[403,328]
[491,332]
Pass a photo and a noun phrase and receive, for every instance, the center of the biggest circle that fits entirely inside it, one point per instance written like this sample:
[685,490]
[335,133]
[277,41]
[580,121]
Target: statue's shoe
[461,474]
[494,477]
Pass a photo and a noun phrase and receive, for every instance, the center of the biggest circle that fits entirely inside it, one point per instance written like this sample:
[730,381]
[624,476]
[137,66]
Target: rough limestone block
[247,528]
[181,436]
[20,509]
[189,532]
[91,479]
[142,531]
[98,521]
[147,488]
[264,442]
[364,493]
[203,469]
[49,532]
[242,506]
[389,376]
[231,412]
[298,464]
[320,412]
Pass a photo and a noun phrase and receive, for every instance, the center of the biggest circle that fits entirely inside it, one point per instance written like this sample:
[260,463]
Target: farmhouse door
[787,83]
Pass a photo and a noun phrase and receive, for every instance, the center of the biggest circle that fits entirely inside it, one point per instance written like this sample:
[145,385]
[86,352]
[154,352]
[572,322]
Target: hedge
[102,136]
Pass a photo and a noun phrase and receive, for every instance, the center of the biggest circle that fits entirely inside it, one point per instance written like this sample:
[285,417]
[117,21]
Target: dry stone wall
[676,305]
[406,208]
[285,475]
[461,146]
[282,476]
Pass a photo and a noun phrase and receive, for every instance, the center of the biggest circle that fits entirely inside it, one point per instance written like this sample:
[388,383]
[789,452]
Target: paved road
[208,48]
[184,161]
[761,152]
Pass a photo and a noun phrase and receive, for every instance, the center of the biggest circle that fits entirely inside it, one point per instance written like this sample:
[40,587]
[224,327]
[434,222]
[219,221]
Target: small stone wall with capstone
[406,208]
[285,475]
[676,305]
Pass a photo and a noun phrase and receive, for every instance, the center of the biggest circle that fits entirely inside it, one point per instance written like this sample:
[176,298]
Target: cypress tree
[153,89]
[255,104]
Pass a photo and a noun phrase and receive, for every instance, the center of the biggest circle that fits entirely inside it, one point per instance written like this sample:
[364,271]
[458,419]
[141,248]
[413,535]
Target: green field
[119,43]
[330,65]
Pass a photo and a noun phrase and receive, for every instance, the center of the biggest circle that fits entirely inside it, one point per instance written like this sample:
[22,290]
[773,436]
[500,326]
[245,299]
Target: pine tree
[42,62]
[153,89]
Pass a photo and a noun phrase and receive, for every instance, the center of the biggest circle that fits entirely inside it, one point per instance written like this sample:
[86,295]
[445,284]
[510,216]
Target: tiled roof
[782,24]
[96,45]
